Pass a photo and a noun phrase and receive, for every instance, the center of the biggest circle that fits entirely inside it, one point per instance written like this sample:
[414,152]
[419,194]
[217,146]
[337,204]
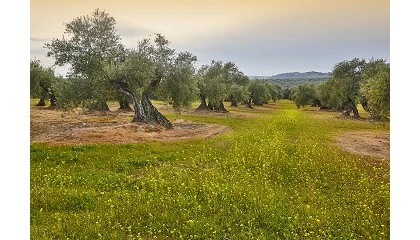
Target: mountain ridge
[295,75]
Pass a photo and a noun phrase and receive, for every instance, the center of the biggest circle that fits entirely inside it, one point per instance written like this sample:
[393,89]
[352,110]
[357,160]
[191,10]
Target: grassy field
[275,176]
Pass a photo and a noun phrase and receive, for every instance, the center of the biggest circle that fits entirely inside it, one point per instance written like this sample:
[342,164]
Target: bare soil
[77,127]
[376,144]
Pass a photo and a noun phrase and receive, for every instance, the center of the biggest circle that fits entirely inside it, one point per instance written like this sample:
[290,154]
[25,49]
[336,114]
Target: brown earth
[77,127]
[376,144]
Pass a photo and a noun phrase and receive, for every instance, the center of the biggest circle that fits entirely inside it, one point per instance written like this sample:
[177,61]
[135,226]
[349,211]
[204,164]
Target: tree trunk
[365,106]
[53,100]
[248,103]
[44,95]
[124,105]
[316,103]
[233,103]
[210,106]
[203,104]
[41,101]
[222,108]
[139,115]
[152,114]
[144,111]
[99,105]
[349,107]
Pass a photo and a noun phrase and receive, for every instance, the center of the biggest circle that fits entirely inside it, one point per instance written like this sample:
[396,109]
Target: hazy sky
[263,37]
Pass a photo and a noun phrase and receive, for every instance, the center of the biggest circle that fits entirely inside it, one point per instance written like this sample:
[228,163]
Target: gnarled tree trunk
[152,114]
[248,103]
[99,105]
[44,95]
[41,101]
[203,104]
[124,105]
[221,107]
[233,103]
[349,107]
[53,100]
[139,115]
[210,106]
[144,111]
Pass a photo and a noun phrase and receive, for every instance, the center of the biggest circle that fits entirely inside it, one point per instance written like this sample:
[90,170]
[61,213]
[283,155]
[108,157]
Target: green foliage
[156,69]
[238,94]
[376,89]
[294,82]
[304,95]
[135,72]
[93,50]
[361,82]
[42,80]
[346,78]
[180,86]
[88,43]
[286,94]
[328,96]
[217,79]
[276,176]
[260,93]
[275,91]
[343,86]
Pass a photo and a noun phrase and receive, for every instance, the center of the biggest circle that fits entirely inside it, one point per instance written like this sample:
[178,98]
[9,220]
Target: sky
[263,37]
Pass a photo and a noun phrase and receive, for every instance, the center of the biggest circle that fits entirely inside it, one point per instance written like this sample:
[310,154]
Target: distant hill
[293,79]
[295,75]
[299,75]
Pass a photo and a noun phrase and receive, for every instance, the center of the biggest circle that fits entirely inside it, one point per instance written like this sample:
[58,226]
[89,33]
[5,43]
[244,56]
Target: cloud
[127,31]
[42,40]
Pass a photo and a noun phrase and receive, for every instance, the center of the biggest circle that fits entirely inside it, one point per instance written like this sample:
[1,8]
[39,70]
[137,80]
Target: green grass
[276,176]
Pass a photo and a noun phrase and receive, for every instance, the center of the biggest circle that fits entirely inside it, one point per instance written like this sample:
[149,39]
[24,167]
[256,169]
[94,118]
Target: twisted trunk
[124,105]
[210,106]
[203,104]
[139,115]
[44,95]
[221,107]
[53,100]
[151,113]
[233,103]
[144,111]
[41,101]
[349,107]
[99,105]
[248,103]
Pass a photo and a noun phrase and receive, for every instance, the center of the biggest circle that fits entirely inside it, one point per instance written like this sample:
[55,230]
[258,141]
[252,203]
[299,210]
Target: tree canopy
[42,82]
[96,56]
[215,83]
[376,89]
[89,42]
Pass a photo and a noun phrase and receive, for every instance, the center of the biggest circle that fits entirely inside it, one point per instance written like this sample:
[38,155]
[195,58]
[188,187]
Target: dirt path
[375,144]
[57,127]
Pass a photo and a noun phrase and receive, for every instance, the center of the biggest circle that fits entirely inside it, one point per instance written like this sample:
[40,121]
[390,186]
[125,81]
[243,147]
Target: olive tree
[215,82]
[346,80]
[305,95]
[97,57]
[260,93]
[327,96]
[151,67]
[87,43]
[275,91]
[238,94]
[375,89]
[42,81]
